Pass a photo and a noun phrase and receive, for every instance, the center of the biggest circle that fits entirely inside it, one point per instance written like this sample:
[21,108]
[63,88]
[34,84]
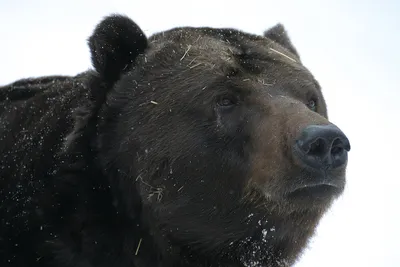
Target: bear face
[194,147]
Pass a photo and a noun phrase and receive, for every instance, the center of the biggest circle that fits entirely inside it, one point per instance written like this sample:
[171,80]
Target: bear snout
[321,152]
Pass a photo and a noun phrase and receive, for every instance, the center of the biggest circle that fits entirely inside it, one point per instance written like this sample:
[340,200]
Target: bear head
[215,142]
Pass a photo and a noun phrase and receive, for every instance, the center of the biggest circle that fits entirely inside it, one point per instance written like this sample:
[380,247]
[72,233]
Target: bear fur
[173,151]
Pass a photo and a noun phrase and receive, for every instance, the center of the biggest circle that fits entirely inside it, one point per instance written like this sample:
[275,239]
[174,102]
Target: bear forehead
[225,51]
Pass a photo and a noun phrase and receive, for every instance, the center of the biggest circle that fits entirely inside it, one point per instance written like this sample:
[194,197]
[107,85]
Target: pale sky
[350,46]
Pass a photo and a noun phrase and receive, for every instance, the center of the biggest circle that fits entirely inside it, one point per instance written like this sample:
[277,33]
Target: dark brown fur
[179,154]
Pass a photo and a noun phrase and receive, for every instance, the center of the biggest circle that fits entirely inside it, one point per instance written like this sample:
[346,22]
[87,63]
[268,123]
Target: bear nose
[322,147]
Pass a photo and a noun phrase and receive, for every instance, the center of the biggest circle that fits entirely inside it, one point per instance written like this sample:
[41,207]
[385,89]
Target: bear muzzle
[322,151]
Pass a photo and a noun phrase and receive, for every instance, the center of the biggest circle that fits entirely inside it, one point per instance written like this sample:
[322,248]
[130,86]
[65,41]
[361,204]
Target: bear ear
[114,46]
[279,34]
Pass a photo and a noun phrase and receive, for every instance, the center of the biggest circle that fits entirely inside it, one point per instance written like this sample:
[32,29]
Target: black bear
[192,147]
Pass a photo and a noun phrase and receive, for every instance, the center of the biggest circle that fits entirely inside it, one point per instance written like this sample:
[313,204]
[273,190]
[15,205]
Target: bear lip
[317,190]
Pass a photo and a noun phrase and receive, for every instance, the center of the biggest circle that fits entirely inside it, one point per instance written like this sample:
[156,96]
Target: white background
[352,47]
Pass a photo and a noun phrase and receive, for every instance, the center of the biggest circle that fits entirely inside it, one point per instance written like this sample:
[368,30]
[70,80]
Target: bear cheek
[268,165]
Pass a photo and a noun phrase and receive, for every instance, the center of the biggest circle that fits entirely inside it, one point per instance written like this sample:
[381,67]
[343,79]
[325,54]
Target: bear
[195,146]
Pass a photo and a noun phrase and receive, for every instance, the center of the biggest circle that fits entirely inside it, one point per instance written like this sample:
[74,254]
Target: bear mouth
[316,191]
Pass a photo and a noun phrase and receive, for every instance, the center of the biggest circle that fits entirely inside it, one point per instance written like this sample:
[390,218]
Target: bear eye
[312,104]
[226,101]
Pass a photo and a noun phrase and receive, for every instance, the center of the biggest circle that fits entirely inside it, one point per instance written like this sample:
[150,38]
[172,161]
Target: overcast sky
[352,47]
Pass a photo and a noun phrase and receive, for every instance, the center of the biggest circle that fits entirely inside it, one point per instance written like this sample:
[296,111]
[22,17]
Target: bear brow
[255,58]
[230,49]
[254,52]
[240,51]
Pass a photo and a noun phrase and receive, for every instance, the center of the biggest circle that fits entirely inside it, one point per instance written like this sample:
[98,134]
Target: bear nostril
[336,151]
[339,148]
[317,148]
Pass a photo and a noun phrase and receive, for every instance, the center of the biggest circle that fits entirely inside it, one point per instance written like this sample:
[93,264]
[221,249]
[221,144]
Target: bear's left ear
[114,46]
[279,34]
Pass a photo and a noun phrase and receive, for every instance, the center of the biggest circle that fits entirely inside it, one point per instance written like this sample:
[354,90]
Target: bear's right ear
[114,46]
